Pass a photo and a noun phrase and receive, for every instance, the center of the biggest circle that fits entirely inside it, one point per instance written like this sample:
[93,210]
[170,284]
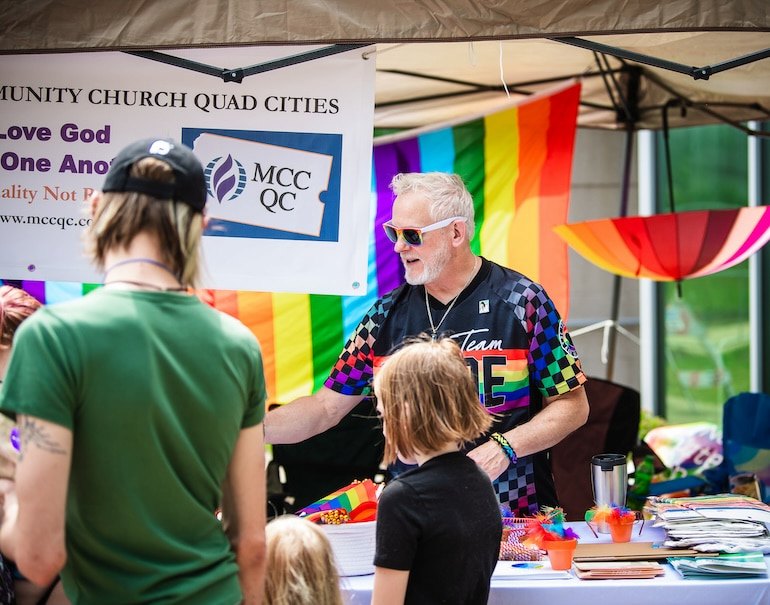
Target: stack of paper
[726,523]
[719,506]
[614,570]
[731,565]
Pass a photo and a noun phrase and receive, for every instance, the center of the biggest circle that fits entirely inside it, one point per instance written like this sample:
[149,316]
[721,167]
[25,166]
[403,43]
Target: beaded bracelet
[506,447]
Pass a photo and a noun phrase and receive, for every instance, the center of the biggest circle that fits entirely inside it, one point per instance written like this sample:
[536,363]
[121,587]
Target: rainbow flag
[517,164]
[358,499]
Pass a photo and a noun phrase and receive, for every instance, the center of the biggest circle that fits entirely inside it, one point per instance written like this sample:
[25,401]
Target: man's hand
[491,458]
[561,415]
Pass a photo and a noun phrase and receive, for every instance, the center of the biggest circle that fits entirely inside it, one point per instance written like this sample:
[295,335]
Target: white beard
[432,267]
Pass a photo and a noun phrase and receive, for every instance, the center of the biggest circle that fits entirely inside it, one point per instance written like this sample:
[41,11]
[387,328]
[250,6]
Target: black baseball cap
[189,184]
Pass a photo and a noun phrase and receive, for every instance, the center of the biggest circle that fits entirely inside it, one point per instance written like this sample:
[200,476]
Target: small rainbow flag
[359,500]
[517,164]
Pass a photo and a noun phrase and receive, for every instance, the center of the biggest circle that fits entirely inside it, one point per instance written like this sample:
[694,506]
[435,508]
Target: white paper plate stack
[353,546]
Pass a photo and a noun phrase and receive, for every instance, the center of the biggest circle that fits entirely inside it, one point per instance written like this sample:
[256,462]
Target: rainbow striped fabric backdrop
[517,164]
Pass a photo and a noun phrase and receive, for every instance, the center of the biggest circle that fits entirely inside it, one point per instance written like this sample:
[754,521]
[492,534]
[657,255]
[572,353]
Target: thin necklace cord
[149,261]
[143,284]
[434,328]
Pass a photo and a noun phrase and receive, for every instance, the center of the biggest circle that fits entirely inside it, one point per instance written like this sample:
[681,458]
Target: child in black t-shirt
[440,521]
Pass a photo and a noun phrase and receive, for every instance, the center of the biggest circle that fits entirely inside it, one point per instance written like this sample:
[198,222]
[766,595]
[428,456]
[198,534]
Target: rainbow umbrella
[671,247]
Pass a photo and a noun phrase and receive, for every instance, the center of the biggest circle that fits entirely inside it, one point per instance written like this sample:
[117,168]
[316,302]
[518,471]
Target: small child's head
[428,398]
[300,564]
[15,306]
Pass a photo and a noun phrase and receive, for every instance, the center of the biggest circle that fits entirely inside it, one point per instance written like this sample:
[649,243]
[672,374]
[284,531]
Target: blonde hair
[15,306]
[121,216]
[300,564]
[446,192]
[428,398]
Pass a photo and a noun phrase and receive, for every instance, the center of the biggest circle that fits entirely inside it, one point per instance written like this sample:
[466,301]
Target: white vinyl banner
[286,152]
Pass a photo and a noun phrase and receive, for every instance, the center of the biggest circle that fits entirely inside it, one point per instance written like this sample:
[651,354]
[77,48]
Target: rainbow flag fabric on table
[517,164]
[358,500]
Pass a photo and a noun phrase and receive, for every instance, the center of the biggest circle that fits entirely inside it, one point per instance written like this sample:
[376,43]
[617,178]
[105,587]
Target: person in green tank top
[140,412]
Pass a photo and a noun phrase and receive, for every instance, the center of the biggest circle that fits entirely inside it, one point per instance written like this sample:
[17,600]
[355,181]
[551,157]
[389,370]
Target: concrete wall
[596,193]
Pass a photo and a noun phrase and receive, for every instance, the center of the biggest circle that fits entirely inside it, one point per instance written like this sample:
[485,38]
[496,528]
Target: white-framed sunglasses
[413,235]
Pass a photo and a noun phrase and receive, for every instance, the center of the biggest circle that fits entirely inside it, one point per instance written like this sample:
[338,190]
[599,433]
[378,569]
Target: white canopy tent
[689,62]
[439,59]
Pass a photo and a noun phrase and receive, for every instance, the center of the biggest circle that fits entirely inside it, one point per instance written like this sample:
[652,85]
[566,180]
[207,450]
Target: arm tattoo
[31,432]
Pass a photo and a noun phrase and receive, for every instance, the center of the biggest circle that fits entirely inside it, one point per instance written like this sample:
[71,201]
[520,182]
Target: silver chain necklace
[434,329]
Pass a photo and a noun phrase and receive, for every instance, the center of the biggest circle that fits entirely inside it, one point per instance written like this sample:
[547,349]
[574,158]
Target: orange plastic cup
[560,553]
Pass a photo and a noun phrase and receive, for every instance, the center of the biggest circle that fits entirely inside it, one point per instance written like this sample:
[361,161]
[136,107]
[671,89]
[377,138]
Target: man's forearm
[307,416]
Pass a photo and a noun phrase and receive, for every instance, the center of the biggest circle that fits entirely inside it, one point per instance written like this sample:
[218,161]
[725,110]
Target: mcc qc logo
[270,185]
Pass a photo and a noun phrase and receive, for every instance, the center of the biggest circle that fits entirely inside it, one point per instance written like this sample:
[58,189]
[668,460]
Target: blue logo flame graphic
[226,178]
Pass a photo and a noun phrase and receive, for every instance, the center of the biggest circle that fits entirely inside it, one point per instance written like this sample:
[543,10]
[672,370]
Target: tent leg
[612,337]
[759,269]
[615,309]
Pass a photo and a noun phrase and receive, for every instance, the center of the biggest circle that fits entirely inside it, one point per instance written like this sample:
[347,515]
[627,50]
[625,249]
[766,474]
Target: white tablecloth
[670,589]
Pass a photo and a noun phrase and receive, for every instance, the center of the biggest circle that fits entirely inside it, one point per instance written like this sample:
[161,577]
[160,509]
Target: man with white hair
[511,335]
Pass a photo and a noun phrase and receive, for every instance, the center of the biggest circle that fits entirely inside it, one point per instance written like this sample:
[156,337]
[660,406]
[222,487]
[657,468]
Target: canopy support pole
[627,107]
[617,279]
[651,304]
[696,73]
[759,272]
[237,74]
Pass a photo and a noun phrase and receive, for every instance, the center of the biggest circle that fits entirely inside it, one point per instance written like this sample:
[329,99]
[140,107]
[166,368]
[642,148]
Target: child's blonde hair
[300,564]
[428,398]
